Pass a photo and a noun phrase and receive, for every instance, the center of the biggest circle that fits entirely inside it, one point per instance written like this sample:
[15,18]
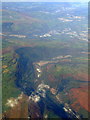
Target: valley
[45,60]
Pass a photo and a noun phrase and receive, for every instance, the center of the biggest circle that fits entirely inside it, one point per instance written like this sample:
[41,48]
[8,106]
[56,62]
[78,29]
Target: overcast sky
[44,0]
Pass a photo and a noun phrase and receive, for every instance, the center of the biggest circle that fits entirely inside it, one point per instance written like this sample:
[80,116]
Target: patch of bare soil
[80,97]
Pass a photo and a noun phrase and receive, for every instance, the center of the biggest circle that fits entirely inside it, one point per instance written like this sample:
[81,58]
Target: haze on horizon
[44,0]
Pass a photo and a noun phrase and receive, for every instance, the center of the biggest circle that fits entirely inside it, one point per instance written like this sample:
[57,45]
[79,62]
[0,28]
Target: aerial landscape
[45,60]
